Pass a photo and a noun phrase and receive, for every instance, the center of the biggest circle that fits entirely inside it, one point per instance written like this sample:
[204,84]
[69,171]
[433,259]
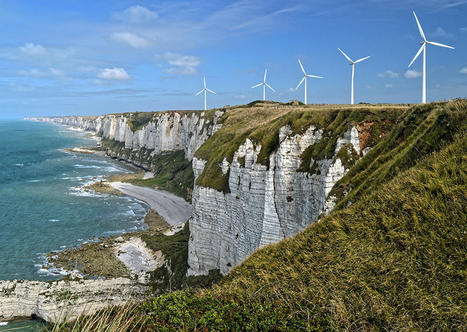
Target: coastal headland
[315,216]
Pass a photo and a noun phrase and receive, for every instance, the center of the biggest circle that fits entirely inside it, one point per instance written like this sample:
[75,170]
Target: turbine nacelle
[264,85]
[205,90]
[352,63]
[422,48]
[305,76]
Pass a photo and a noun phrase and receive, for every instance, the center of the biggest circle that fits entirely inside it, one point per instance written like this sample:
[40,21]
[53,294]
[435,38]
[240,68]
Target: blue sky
[96,57]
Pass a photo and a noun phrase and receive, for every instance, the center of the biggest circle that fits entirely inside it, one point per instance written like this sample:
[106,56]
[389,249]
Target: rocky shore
[65,299]
[121,263]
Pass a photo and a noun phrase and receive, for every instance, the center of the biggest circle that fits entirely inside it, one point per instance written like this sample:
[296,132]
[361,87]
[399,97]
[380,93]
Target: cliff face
[162,132]
[262,173]
[265,204]
[65,300]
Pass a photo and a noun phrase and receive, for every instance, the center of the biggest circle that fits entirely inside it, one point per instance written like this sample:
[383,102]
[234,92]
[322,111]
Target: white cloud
[40,52]
[412,74]
[389,86]
[440,32]
[463,70]
[49,73]
[179,63]
[464,29]
[118,74]
[32,49]
[136,14]
[388,74]
[130,38]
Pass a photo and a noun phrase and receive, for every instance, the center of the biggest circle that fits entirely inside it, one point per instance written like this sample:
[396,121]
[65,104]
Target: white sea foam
[19,165]
[34,181]
[86,166]
[54,220]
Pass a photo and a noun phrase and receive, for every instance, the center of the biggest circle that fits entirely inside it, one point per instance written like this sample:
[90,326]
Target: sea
[43,206]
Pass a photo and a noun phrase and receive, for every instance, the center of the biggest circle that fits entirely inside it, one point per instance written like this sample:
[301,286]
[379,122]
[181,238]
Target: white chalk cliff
[264,205]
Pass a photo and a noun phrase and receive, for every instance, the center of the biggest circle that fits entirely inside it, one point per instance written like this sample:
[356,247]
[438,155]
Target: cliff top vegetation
[391,257]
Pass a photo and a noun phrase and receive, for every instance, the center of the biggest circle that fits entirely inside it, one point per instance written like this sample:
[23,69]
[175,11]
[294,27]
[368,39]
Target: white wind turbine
[423,48]
[352,63]
[205,90]
[264,84]
[305,76]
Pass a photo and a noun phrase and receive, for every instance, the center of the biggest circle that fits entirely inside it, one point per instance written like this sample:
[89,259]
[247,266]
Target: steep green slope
[394,259]
[391,256]
[260,122]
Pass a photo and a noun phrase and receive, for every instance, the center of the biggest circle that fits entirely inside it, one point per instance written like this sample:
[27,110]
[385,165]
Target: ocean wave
[118,232]
[19,165]
[34,181]
[87,166]
[53,220]
[85,194]
[74,129]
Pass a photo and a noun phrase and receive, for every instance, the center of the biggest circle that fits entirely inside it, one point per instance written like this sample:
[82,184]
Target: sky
[80,57]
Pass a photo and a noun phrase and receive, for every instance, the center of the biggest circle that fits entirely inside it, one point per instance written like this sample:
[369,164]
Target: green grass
[393,259]
[172,172]
[260,122]
[172,276]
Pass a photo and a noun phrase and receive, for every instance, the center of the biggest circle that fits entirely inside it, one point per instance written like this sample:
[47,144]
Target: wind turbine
[305,76]
[205,90]
[352,63]
[264,84]
[423,48]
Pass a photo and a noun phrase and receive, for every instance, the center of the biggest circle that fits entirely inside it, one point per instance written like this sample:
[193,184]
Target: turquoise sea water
[42,205]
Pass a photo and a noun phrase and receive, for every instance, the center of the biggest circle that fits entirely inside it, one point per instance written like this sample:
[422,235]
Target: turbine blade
[418,53]
[439,44]
[419,27]
[265,73]
[257,85]
[346,56]
[269,87]
[210,91]
[362,59]
[301,66]
[314,76]
[300,83]
[204,80]
[199,92]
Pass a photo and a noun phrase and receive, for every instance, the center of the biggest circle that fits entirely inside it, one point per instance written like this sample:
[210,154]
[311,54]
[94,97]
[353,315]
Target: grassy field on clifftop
[392,256]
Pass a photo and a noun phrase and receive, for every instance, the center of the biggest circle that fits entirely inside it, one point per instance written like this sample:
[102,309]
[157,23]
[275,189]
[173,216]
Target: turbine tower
[423,48]
[205,90]
[352,63]
[305,76]
[264,84]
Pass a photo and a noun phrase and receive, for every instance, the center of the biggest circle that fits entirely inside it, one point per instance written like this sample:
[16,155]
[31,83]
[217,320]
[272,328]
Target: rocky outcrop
[164,132]
[65,300]
[265,204]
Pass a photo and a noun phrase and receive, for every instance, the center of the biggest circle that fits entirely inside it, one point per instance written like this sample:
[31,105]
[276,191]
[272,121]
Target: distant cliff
[263,172]
[155,132]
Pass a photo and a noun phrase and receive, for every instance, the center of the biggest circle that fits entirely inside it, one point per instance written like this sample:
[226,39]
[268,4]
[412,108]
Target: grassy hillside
[260,122]
[391,256]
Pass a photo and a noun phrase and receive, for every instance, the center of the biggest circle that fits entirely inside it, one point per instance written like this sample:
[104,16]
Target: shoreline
[136,258]
[167,214]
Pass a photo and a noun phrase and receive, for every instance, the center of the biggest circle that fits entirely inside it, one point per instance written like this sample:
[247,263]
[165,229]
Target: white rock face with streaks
[265,204]
[60,300]
[167,131]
